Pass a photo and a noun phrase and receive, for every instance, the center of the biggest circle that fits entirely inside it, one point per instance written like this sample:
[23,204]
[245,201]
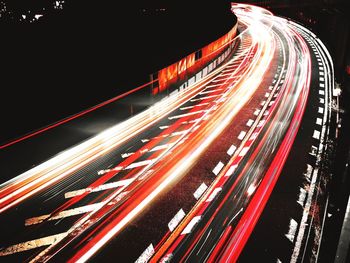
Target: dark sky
[60,57]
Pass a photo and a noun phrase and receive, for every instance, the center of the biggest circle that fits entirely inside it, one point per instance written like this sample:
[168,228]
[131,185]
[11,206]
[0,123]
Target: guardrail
[193,67]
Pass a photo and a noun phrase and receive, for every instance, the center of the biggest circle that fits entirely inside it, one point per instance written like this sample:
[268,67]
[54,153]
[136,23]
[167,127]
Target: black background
[74,58]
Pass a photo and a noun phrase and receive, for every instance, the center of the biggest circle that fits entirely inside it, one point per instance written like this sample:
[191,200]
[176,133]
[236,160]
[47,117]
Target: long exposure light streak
[262,87]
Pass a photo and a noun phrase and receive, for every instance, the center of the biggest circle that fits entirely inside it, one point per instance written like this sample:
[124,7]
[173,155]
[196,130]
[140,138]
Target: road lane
[147,142]
[179,179]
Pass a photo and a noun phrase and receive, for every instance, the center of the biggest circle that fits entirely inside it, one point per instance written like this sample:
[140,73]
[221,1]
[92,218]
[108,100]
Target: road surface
[186,179]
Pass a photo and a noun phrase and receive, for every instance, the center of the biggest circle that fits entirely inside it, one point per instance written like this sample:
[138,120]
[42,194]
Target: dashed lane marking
[241,135]
[250,122]
[176,220]
[231,150]
[316,135]
[99,188]
[63,214]
[190,225]
[200,190]
[146,255]
[218,168]
[32,244]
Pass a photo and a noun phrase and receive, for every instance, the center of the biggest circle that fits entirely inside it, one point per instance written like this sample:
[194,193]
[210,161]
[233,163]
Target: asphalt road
[188,177]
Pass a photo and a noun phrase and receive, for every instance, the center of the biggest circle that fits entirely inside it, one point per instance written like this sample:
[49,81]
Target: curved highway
[187,179]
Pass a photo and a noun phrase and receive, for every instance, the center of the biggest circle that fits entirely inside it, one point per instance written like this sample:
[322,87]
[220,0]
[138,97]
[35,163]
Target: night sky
[61,57]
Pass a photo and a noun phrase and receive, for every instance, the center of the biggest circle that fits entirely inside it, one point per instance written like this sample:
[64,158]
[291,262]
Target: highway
[186,179]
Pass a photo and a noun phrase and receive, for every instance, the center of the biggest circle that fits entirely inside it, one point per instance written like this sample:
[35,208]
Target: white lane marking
[144,150]
[321,100]
[319,121]
[241,135]
[261,123]
[320,68]
[145,140]
[271,88]
[63,214]
[197,105]
[320,110]
[164,127]
[125,155]
[231,150]
[146,255]
[231,170]
[139,164]
[302,196]
[313,150]
[162,147]
[118,168]
[321,79]
[267,94]
[321,92]
[99,188]
[293,225]
[321,73]
[190,225]
[251,189]
[186,114]
[166,258]
[204,98]
[218,168]
[244,151]
[307,212]
[213,194]
[256,112]
[263,103]
[200,190]
[28,245]
[271,103]
[250,122]
[316,134]
[176,220]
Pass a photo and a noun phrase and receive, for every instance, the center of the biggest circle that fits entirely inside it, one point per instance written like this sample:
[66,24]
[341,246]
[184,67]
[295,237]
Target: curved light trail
[91,194]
